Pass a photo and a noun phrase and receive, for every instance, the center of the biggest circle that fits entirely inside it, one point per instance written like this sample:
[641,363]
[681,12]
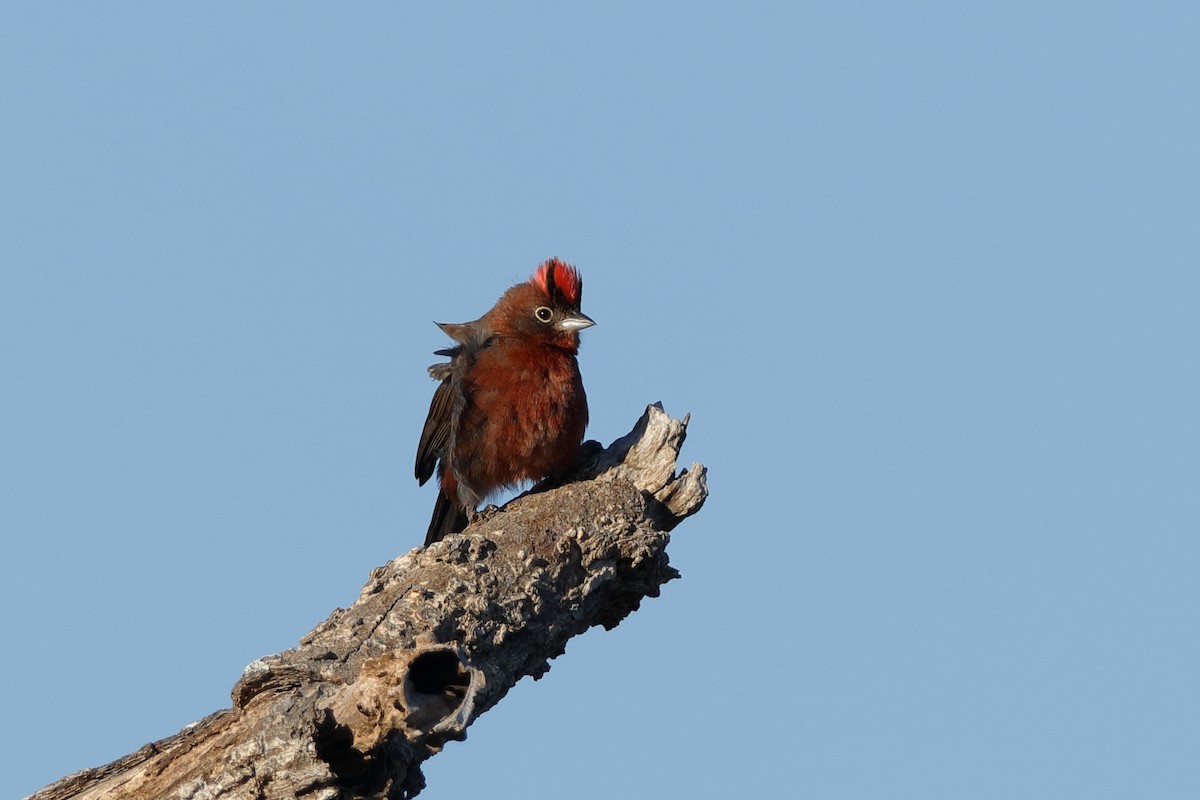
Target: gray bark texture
[437,637]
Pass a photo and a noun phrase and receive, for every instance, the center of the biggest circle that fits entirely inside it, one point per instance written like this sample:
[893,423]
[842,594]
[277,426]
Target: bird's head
[545,308]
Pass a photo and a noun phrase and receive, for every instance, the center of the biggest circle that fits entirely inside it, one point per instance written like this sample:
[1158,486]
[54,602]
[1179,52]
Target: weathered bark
[437,637]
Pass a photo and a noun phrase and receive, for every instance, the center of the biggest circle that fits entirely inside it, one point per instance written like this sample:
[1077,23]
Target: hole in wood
[439,672]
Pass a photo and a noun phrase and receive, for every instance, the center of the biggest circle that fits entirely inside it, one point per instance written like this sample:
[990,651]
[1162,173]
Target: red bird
[510,407]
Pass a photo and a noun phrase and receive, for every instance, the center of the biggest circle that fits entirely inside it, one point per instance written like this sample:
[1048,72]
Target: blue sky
[925,275]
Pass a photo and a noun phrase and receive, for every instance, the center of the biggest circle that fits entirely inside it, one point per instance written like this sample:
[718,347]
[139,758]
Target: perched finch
[510,407]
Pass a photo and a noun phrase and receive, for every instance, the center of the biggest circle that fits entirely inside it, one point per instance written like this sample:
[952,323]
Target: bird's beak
[575,322]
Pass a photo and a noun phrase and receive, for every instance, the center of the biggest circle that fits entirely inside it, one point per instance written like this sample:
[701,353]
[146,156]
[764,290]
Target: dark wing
[436,433]
[437,437]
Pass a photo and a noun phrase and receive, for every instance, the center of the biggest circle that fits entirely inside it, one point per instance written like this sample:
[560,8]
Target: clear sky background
[924,274]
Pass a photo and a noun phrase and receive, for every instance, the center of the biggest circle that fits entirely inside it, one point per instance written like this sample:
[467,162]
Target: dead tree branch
[437,637]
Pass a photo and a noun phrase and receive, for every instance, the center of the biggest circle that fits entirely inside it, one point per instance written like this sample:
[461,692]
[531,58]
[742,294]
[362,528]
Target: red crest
[558,278]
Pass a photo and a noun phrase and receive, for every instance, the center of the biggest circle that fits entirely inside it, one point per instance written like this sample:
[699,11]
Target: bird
[509,407]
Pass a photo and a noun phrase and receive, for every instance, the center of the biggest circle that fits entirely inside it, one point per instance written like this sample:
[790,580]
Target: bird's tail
[448,517]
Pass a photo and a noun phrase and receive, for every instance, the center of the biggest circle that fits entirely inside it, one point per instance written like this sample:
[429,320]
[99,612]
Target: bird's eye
[543,314]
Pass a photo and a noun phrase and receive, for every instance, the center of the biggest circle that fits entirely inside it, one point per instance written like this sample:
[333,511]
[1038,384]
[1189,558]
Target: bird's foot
[476,514]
